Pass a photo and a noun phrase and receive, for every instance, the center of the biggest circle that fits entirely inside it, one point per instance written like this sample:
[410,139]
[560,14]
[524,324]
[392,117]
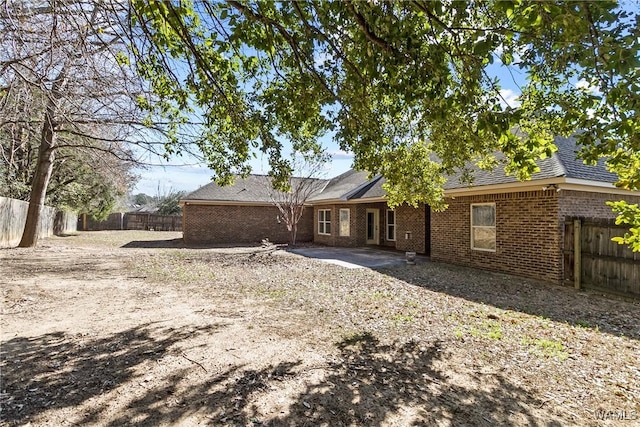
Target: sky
[160,180]
[187,175]
[182,176]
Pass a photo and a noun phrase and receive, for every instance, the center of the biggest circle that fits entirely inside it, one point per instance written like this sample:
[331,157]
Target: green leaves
[628,214]
[405,86]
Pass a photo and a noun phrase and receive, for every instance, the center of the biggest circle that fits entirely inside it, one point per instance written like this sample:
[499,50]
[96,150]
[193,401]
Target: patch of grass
[275,293]
[490,330]
[487,330]
[379,295]
[459,333]
[412,304]
[547,348]
[402,318]
[586,325]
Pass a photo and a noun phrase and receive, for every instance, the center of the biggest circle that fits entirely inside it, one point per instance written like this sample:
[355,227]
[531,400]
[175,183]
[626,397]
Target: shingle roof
[253,188]
[355,185]
[351,185]
[562,163]
[574,168]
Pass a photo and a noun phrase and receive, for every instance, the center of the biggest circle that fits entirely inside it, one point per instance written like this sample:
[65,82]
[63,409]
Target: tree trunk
[44,167]
[294,231]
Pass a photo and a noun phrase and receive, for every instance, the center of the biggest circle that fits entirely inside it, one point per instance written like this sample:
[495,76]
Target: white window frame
[474,227]
[391,225]
[323,222]
[346,223]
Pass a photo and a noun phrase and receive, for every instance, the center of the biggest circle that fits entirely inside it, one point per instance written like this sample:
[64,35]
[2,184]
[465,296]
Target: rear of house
[239,213]
[498,223]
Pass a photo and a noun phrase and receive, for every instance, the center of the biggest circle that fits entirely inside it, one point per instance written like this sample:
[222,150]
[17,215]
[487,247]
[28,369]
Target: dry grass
[299,342]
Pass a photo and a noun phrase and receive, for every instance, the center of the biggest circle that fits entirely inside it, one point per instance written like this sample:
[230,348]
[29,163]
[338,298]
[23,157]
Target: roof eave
[562,183]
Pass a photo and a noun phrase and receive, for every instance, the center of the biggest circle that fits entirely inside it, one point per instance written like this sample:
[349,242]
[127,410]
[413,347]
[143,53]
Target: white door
[373,226]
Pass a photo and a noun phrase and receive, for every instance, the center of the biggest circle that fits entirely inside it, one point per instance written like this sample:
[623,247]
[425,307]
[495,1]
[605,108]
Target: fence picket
[605,265]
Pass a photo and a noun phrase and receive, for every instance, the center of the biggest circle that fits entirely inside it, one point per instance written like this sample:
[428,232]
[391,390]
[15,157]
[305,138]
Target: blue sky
[180,176]
[190,177]
[186,175]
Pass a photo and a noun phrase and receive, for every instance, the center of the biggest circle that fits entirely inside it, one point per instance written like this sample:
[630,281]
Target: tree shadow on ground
[559,303]
[58,370]
[180,244]
[367,383]
[155,244]
[374,385]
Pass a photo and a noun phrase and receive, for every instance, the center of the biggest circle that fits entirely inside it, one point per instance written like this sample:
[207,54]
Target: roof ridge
[556,155]
[365,185]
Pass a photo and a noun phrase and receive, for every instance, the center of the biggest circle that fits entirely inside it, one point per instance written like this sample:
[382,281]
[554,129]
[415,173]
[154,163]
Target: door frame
[376,227]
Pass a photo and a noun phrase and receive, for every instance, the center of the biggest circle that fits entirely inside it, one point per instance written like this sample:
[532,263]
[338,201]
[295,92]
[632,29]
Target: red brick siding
[240,224]
[358,220]
[410,219]
[589,205]
[528,235]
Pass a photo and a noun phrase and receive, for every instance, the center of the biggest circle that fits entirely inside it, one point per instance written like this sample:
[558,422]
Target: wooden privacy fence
[132,221]
[601,264]
[13,215]
[144,221]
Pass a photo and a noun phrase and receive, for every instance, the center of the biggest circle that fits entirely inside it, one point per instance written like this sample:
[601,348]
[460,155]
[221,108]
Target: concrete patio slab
[364,257]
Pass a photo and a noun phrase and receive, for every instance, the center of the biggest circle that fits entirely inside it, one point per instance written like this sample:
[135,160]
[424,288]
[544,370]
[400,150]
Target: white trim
[386,221]
[472,227]
[376,226]
[348,210]
[324,221]
[347,202]
[227,203]
[510,187]
[537,185]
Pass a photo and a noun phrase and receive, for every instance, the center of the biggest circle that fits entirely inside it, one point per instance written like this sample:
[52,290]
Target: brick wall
[412,220]
[528,234]
[240,224]
[589,205]
[358,225]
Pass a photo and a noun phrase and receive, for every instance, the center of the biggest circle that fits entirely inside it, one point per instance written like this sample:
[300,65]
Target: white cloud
[341,155]
[588,87]
[510,98]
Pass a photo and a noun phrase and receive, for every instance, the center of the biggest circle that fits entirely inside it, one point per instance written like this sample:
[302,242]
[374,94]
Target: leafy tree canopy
[404,85]
[170,203]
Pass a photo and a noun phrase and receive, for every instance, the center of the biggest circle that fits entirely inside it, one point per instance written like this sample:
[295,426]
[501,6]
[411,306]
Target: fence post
[577,253]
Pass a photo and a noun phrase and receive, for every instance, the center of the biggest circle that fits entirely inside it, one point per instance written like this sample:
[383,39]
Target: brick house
[239,213]
[497,224]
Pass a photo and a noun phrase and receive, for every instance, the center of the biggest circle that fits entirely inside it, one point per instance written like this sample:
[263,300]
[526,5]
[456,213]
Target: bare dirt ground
[129,328]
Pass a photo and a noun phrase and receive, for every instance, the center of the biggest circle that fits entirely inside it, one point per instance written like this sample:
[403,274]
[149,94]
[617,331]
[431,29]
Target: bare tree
[69,59]
[291,201]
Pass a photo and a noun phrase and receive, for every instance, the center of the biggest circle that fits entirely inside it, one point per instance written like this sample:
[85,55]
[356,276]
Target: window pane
[484,215]
[344,222]
[484,238]
[391,217]
[327,216]
[327,228]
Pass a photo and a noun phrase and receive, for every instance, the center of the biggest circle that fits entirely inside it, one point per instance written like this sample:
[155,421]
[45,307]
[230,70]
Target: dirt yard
[130,328]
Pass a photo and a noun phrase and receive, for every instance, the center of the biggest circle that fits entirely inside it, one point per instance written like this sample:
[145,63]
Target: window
[324,221]
[483,227]
[345,222]
[391,225]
